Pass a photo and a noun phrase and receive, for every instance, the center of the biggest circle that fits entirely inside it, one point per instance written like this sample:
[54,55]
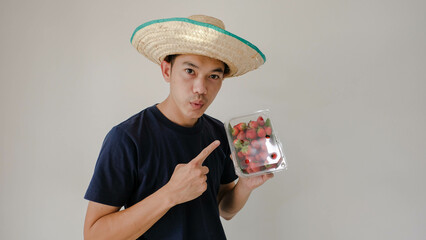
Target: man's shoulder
[136,122]
[214,121]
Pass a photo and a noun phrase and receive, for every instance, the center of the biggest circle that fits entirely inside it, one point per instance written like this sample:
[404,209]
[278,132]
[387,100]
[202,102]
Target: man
[169,165]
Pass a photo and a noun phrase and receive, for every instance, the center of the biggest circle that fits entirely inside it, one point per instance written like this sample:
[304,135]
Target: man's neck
[171,112]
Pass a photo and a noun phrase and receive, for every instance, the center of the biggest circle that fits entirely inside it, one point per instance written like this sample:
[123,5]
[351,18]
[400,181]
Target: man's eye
[214,77]
[189,71]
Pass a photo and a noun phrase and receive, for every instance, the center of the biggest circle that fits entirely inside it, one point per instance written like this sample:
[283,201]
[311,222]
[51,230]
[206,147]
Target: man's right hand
[188,180]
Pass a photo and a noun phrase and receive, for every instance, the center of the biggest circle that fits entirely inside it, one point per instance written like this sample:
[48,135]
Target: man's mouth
[197,104]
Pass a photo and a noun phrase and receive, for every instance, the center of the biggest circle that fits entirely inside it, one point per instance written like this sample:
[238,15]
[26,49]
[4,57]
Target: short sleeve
[115,171]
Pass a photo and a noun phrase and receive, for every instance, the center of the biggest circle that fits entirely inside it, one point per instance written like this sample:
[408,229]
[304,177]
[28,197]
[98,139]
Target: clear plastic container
[254,145]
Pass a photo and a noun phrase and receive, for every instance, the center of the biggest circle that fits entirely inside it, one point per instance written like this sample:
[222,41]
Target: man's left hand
[254,181]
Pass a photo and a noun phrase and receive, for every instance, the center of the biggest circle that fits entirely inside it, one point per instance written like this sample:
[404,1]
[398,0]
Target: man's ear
[166,70]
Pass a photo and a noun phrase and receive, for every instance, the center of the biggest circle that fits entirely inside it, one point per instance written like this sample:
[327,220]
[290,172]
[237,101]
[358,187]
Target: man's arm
[232,197]
[188,181]
[107,222]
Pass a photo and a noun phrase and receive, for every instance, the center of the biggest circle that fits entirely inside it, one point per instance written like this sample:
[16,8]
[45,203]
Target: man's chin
[196,114]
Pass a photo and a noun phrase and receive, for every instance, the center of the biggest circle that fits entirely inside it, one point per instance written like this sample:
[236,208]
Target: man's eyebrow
[219,69]
[190,64]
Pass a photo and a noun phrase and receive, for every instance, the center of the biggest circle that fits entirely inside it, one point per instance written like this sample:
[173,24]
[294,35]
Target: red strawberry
[260,121]
[254,167]
[241,136]
[255,143]
[235,131]
[261,132]
[268,131]
[240,155]
[261,141]
[251,133]
[241,126]
[253,124]
[263,155]
[238,143]
[264,148]
[245,142]
[247,150]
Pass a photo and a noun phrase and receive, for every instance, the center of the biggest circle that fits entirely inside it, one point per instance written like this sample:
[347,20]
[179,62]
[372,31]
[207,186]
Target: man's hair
[171,59]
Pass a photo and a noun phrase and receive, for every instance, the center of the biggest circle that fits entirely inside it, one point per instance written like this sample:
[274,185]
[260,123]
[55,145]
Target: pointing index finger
[206,152]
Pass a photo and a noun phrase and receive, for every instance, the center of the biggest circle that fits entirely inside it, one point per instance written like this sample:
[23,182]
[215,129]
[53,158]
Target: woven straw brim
[159,38]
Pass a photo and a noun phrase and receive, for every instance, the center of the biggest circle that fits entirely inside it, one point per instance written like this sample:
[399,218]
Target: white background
[345,81]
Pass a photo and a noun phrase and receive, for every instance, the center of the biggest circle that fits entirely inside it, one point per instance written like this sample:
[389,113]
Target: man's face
[194,83]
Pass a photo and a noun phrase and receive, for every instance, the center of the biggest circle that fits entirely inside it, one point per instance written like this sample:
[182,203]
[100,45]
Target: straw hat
[200,35]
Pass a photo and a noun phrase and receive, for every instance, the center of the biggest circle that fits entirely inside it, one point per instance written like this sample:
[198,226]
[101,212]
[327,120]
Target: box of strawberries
[254,145]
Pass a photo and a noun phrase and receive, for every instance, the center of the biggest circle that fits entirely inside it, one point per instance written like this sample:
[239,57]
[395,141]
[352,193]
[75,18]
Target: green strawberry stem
[268,122]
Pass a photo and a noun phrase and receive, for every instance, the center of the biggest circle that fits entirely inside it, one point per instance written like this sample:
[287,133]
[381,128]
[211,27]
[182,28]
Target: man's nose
[200,85]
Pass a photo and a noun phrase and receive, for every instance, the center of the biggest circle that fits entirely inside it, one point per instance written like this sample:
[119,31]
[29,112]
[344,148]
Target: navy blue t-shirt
[139,156]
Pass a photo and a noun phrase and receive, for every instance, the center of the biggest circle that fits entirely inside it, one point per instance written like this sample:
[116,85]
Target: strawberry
[248,170]
[234,131]
[251,133]
[261,132]
[261,141]
[238,143]
[254,167]
[245,142]
[241,126]
[260,121]
[263,155]
[255,143]
[241,136]
[253,124]
[268,130]
[264,148]
[240,155]
[246,150]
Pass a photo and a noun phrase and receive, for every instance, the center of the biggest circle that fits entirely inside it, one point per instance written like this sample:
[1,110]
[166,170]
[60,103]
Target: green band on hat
[200,24]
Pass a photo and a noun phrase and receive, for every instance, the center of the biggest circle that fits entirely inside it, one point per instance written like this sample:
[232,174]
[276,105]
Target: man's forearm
[132,222]
[234,200]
